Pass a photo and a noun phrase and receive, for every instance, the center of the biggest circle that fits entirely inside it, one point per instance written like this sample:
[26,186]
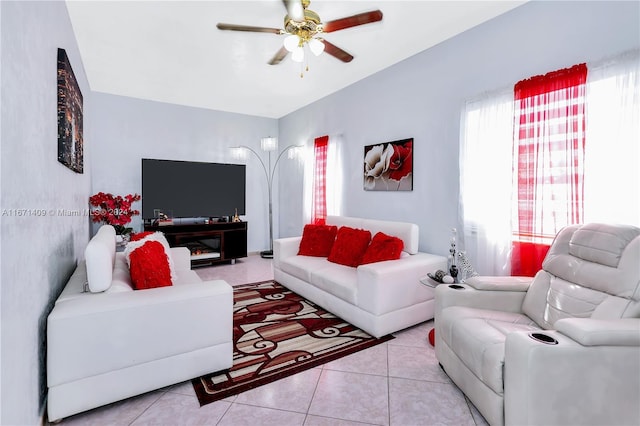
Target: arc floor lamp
[268,144]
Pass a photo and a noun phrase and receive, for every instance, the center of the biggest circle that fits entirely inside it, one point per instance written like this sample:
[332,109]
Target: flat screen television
[189,189]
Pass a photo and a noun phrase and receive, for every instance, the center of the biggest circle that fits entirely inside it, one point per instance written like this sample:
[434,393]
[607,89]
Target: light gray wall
[125,130]
[0,214]
[422,97]
[38,252]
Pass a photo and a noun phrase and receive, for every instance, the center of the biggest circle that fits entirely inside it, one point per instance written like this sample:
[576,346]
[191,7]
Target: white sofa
[380,298]
[107,342]
[562,348]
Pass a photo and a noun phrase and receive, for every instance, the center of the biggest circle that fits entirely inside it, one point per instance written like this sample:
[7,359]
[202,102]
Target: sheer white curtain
[334,176]
[486,181]
[612,154]
[612,160]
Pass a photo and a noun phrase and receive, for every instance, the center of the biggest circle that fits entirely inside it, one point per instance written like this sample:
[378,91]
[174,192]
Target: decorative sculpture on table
[453,272]
[451,264]
[466,269]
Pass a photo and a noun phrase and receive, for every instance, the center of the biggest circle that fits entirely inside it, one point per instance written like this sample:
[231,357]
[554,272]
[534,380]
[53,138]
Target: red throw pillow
[140,235]
[317,240]
[383,247]
[349,246]
[149,266]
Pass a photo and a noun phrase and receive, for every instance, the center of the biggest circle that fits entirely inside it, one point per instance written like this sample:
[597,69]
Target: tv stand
[208,243]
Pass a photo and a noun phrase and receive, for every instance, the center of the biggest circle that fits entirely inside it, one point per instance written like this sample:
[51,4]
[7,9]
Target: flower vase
[123,239]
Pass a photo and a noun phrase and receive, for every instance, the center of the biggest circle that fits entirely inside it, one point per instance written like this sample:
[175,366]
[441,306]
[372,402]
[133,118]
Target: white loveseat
[562,348]
[380,298]
[107,342]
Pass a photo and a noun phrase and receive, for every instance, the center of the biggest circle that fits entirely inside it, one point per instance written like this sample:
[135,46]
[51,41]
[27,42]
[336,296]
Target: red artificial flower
[113,210]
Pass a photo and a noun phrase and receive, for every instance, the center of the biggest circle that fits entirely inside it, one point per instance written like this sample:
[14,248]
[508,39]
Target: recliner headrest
[601,243]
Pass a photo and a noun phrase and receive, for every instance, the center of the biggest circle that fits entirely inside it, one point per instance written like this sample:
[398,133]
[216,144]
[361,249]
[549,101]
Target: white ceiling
[171,51]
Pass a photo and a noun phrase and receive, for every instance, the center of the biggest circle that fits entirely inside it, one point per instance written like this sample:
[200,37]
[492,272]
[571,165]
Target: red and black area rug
[277,333]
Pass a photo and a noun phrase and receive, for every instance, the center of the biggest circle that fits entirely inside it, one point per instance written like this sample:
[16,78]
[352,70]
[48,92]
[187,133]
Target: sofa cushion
[350,246]
[100,256]
[317,240]
[187,276]
[121,277]
[478,336]
[149,266]
[338,280]
[383,247]
[302,266]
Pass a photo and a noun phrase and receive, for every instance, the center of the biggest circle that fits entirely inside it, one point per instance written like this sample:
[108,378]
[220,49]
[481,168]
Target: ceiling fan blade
[294,9]
[248,28]
[279,56]
[334,50]
[352,21]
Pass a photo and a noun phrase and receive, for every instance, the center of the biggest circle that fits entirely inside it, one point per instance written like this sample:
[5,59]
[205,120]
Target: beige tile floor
[396,383]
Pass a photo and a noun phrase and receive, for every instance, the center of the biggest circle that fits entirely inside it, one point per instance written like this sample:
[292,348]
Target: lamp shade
[238,152]
[294,152]
[269,143]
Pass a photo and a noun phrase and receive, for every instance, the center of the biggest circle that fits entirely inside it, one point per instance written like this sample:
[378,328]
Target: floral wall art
[389,166]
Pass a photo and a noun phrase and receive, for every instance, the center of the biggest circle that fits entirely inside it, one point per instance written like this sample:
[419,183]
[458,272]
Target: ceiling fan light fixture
[291,42]
[298,54]
[303,26]
[316,46]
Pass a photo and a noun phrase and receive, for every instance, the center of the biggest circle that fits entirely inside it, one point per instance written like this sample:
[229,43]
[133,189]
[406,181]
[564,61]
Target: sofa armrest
[580,379]
[181,257]
[465,295]
[103,332]
[595,332]
[499,283]
[284,248]
[393,284]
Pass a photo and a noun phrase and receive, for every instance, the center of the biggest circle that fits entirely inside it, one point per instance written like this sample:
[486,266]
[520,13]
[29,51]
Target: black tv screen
[189,189]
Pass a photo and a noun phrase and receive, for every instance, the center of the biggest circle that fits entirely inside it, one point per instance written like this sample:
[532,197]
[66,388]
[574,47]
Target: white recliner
[562,348]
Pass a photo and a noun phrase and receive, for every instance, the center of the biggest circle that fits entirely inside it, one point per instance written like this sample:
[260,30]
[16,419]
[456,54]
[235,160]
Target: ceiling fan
[304,27]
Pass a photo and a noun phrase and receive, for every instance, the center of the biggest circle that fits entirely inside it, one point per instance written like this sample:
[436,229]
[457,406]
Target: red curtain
[548,162]
[526,258]
[319,201]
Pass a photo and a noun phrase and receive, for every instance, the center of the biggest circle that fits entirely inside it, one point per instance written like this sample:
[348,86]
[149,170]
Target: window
[323,182]
[562,150]
[319,202]
[548,163]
